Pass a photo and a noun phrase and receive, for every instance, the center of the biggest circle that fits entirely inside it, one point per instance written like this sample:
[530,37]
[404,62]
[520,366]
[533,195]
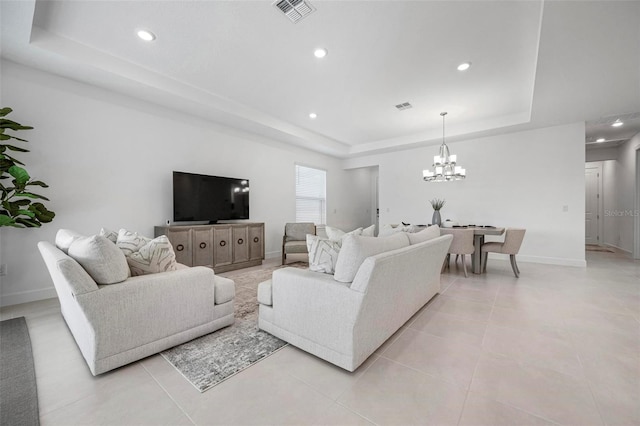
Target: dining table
[479,233]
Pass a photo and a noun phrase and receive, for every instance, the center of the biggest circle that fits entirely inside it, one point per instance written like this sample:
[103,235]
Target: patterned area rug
[213,358]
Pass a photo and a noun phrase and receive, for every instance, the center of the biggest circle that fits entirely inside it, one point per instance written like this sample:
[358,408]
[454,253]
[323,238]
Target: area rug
[590,247]
[213,358]
[18,392]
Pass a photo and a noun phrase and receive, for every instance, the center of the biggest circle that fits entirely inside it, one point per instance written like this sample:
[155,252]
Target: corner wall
[108,160]
[522,179]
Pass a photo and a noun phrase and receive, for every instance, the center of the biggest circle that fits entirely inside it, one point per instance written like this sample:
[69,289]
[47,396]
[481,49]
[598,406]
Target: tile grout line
[168,394]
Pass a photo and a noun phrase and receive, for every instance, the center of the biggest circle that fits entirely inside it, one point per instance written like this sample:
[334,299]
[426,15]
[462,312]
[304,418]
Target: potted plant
[18,207]
[437,204]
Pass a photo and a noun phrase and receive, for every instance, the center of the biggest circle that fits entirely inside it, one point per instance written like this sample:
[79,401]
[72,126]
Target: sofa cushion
[130,242]
[102,260]
[298,231]
[225,290]
[264,293]
[295,247]
[155,256]
[338,234]
[64,238]
[355,249]
[323,253]
[369,231]
[428,234]
[109,234]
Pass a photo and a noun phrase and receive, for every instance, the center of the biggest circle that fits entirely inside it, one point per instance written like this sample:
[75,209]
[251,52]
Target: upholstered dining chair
[294,240]
[512,241]
[462,245]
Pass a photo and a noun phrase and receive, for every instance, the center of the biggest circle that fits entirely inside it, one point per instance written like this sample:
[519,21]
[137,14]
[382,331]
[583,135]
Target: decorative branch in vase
[437,204]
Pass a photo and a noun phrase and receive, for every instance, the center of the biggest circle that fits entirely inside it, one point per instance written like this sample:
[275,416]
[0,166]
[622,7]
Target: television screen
[209,198]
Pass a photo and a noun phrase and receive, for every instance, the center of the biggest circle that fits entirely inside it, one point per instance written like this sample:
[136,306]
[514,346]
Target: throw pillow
[100,258]
[156,255]
[109,234]
[336,234]
[369,231]
[426,235]
[64,239]
[355,249]
[323,254]
[130,242]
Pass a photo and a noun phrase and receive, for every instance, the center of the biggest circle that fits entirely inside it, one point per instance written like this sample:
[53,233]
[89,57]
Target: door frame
[636,239]
[598,165]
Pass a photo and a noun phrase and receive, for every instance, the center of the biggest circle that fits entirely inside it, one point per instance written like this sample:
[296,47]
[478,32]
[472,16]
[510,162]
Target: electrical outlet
[3,270]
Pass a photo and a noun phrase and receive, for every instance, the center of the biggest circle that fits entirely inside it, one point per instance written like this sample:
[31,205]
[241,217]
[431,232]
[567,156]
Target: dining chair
[512,241]
[462,245]
[294,240]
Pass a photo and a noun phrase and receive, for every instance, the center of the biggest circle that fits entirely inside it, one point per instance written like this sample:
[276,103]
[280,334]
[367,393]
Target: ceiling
[245,65]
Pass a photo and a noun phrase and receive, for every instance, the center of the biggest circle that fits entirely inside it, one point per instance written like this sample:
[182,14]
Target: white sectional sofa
[119,323]
[345,322]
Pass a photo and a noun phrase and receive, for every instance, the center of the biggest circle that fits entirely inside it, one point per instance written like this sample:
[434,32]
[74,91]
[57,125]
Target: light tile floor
[559,345]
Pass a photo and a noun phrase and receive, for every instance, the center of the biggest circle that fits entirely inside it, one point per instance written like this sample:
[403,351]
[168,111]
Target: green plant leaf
[31,195]
[29,213]
[16,148]
[27,223]
[21,176]
[4,137]
[10,124]
[37,183]
[6,220]
[42,213]
[4,111]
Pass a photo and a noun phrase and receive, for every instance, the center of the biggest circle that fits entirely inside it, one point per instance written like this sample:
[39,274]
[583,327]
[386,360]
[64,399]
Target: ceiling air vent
[295,10]
[403,106]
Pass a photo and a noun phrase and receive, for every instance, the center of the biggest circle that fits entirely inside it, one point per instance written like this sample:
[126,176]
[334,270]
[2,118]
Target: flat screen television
[199,198]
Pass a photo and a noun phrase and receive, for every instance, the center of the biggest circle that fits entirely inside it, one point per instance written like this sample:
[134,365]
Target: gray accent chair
[294,240]
[462,245]
[512,241]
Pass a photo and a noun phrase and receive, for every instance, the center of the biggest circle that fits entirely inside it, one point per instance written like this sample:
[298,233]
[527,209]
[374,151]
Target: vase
[436,220]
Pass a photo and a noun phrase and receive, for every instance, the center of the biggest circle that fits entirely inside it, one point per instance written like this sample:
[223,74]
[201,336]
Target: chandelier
[444,164]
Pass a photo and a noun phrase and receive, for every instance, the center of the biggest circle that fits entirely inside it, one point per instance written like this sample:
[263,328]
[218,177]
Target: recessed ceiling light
[313,115]
[464,66]
[320,52]
[146,35]
[617,123]
[600,140]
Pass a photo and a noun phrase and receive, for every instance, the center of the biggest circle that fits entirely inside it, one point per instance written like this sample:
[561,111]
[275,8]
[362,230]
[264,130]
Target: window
[311,195]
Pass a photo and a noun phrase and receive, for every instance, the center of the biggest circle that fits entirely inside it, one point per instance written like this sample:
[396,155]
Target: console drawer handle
[203,245]
[179,247]
[240,241]
[256,239]
[223,243]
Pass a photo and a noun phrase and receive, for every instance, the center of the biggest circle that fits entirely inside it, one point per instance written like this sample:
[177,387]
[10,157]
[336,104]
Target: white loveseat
[345,322]
[116,324]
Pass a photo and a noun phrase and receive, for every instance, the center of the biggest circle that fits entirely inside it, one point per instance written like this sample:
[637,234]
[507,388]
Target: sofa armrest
[145,308]
[314,305]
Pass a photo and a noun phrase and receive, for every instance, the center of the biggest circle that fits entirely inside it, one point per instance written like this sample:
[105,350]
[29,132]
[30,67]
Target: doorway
[593,203]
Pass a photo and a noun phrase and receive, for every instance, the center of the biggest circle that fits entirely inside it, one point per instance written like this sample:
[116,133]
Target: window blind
[311,195]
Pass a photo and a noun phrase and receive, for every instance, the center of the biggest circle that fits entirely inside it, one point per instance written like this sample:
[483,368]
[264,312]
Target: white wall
[520,179]
[108,160]
[601,154]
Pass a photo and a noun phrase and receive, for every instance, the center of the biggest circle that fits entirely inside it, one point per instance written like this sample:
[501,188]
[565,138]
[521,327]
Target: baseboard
[27,296]
[629,252]
[273,254]
[579,263]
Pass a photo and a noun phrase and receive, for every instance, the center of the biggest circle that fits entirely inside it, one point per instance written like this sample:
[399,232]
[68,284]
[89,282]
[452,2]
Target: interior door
[592,202]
